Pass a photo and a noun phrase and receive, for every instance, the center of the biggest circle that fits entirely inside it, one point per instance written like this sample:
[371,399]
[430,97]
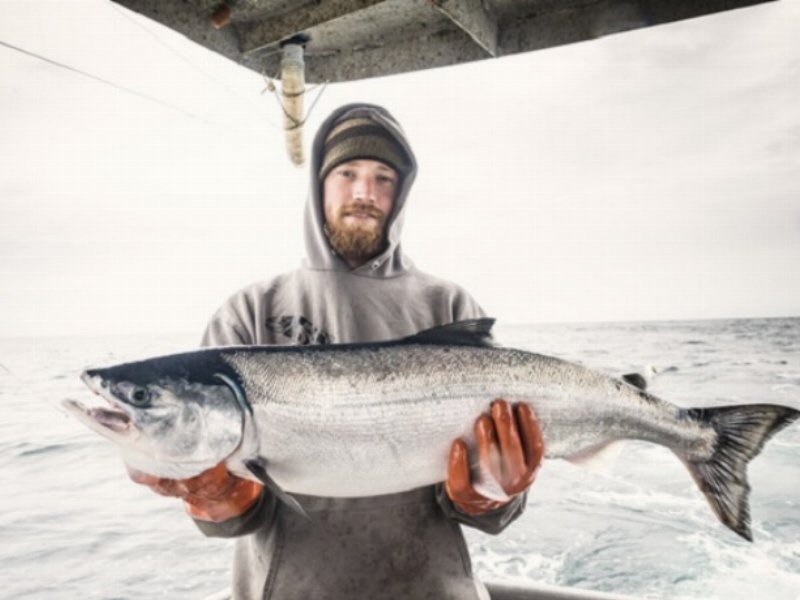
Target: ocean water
[73,526]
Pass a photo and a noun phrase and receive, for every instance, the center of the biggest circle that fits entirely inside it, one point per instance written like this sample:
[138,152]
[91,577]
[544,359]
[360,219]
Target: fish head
[170,418]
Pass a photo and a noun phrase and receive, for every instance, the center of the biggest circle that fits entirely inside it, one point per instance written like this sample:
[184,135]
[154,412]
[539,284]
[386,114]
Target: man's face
[358,198]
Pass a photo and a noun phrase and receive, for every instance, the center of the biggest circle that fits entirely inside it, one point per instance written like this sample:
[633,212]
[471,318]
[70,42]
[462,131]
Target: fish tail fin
[742,431]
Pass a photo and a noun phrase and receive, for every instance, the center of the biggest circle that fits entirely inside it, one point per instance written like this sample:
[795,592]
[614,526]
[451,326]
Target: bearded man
[357,285]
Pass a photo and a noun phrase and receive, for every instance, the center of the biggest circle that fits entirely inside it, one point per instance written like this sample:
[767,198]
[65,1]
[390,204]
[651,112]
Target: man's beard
[360,241]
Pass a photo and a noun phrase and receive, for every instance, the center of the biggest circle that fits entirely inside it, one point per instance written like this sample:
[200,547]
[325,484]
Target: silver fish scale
[388,414]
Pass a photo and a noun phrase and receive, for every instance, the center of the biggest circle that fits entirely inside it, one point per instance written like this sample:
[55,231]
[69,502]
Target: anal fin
[600,458]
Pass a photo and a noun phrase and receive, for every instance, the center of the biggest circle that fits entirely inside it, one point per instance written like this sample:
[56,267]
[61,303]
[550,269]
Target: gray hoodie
[406,545]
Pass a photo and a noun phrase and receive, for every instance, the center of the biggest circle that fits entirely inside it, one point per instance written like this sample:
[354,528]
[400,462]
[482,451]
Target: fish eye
[140,396]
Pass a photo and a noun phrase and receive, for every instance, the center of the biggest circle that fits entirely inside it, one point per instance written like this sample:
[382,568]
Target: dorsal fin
[472,332]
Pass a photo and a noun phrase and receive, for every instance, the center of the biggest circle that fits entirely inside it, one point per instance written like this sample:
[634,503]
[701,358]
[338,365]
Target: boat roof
[357,39]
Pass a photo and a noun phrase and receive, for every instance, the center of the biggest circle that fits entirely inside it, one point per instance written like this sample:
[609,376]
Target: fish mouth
[114,419]
[104,420]
[101,419]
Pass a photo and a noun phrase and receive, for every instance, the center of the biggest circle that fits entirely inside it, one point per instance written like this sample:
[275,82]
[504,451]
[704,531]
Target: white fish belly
[363,451]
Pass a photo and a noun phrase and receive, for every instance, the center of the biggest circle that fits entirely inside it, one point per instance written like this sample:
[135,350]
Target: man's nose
[364,189]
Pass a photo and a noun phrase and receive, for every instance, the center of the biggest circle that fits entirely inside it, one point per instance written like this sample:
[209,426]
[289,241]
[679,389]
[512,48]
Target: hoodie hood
[320,256]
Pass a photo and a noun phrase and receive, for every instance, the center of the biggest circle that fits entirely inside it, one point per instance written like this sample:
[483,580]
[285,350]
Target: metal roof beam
[271,31]
[470,16]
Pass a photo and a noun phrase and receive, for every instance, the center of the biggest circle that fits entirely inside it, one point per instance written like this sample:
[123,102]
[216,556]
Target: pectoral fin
[258,467]
[485,483]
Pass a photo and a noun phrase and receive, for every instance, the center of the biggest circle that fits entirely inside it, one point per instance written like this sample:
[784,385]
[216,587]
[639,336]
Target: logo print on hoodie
[298,329]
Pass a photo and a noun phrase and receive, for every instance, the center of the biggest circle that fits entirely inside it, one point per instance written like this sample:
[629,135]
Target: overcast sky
[648,175]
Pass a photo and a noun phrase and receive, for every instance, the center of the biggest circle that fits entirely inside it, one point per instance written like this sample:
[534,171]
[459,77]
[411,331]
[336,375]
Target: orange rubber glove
[510,447]
[215,495]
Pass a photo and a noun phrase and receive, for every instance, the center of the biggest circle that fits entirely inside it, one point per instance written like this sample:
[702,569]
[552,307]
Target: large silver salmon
[378,418]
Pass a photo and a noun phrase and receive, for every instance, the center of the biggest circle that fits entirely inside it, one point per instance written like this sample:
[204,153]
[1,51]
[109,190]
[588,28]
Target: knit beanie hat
[362,137]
